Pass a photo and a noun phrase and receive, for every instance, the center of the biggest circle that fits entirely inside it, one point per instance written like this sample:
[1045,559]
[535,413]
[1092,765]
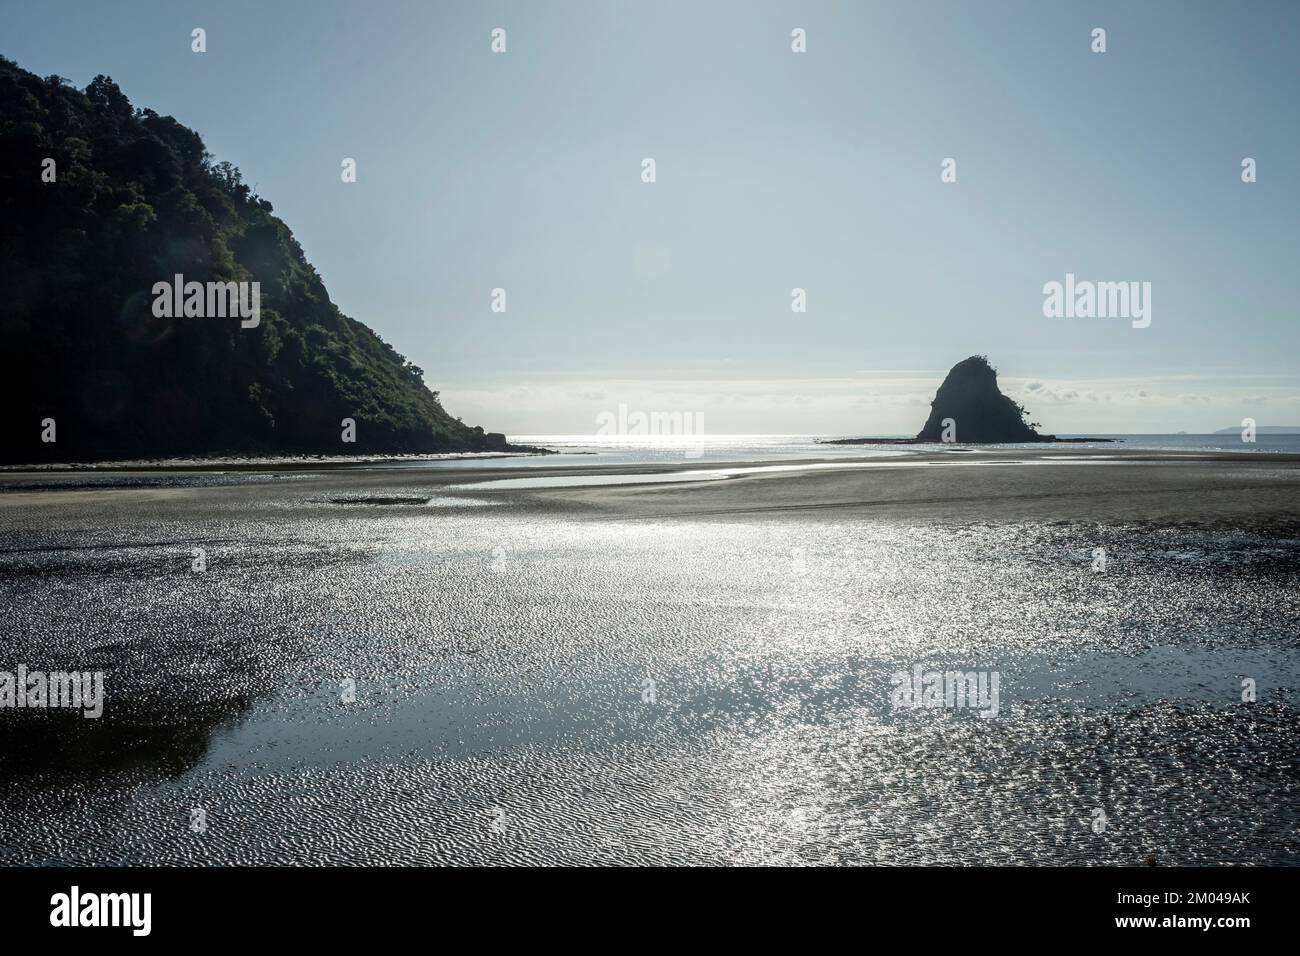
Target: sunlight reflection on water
[501,663]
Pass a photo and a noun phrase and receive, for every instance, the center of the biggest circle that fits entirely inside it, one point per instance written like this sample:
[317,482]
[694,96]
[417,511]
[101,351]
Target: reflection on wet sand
[662,673]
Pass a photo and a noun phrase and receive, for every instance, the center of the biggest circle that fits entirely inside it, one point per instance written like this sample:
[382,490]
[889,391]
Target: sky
[774,170]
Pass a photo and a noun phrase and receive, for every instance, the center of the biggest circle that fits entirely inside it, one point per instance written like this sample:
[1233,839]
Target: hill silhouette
[970,397]
[135,199]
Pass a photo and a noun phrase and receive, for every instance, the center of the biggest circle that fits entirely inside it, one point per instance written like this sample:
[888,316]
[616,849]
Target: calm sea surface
[638,450]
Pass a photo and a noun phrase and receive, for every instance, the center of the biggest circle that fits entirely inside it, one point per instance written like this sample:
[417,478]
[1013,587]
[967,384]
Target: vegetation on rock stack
[136,200]
[971,398]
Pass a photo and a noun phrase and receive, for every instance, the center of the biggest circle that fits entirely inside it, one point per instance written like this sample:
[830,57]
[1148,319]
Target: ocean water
[677,449]
[538,687]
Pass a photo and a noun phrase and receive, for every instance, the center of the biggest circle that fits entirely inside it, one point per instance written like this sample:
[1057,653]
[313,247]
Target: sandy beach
[408,665]
[964,484]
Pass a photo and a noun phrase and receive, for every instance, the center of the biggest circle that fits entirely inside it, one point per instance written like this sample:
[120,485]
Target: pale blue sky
[775,170]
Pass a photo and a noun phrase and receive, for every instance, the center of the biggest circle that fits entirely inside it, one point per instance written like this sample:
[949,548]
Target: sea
[651,449]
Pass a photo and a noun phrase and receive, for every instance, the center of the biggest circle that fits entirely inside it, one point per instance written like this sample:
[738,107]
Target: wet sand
[983,484]
[499,642]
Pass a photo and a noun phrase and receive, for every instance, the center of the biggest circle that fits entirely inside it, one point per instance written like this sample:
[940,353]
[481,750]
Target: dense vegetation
[137,199]
[971,398]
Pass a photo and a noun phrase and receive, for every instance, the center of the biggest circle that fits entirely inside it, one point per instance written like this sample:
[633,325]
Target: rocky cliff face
[981,413]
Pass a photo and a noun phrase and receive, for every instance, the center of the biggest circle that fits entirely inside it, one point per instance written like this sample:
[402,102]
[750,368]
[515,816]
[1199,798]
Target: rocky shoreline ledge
[1037,440]
[279,462]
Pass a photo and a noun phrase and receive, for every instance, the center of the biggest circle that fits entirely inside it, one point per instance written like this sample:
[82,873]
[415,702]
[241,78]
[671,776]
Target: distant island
[100,203]
[970,408]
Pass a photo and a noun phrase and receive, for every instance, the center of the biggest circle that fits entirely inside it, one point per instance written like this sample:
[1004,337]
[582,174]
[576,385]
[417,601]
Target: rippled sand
[500,643]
